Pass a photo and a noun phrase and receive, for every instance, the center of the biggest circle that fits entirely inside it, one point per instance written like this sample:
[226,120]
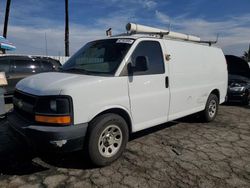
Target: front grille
[24,105]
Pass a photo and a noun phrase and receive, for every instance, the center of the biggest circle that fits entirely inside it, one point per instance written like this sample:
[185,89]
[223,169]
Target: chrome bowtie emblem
[20,104]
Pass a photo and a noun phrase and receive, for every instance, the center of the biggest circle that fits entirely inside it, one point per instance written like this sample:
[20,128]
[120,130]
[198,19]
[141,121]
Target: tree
[6,19]
[246,55]
[66,28]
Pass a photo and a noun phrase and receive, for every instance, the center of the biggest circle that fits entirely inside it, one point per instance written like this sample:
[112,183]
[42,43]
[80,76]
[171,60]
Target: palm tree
[246,55]
[6,19]
[66,28]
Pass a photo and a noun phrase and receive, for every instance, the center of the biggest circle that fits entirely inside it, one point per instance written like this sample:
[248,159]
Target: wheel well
[217,93]
[120,112]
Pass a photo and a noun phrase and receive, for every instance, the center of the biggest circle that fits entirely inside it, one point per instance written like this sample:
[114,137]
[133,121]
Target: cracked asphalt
[183,153]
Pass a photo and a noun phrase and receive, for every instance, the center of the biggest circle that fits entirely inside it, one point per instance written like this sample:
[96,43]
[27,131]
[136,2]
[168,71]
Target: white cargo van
[116,86]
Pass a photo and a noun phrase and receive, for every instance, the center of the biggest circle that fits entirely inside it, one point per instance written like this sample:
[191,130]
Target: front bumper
[42,138]
[236,96]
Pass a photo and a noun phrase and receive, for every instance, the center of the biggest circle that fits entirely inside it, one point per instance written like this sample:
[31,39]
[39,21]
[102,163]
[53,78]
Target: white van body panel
[52,83]
[91,95]
[105,93]
[194,72]
[149,98]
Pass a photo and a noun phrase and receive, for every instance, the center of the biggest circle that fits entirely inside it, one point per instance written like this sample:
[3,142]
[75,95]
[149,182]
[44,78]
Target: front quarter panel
[91,99]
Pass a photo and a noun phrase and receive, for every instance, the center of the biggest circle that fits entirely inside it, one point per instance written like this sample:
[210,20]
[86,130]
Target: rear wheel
[108,136]
[211,109]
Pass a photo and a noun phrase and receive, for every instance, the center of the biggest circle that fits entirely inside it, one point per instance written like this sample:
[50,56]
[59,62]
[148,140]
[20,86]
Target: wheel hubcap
[110,141]
[212,108]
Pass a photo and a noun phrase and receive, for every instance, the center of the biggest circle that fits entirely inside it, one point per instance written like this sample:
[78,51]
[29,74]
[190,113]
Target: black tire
[211,108]
[245,100]
[105,147]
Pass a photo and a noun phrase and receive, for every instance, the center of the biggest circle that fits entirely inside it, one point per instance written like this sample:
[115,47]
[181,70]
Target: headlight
[54,110]
[237,89]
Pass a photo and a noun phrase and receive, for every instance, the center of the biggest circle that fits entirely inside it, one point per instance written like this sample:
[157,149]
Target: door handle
[166,82]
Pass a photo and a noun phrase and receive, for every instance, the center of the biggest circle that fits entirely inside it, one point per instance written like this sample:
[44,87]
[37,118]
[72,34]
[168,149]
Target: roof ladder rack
[133,28]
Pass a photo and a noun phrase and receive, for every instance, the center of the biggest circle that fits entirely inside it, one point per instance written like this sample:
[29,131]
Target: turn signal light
[53,119]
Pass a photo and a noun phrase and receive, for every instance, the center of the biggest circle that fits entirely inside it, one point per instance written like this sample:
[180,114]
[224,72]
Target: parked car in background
[238,89]
[237,66]
[19,67]
[238,80]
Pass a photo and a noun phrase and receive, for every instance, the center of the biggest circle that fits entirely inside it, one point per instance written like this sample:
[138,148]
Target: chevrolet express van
[116,86]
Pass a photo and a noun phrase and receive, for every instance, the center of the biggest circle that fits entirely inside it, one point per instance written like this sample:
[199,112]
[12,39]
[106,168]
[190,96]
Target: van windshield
[98,57]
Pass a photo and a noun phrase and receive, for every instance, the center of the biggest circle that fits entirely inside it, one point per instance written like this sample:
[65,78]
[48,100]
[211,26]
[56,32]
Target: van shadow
[151,130]
[247,107]
[73,160]
[79,160]
[17,159]
[14,166]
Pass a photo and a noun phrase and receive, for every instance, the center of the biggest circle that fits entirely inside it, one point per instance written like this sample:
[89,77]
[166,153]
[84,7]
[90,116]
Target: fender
[110,107]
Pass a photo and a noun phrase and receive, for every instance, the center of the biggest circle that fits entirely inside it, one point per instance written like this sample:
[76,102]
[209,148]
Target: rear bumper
[49,138]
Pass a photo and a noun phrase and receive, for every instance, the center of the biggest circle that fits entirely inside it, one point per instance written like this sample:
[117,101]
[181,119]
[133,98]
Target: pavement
[183,153]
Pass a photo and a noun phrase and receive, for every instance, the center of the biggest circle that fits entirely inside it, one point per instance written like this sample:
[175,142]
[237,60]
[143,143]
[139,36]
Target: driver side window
[153,52]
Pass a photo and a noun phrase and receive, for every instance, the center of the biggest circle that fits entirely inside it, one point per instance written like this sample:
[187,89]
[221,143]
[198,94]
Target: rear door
[149,91]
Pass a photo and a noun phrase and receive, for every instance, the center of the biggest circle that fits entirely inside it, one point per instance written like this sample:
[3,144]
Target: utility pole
[66,28]
[6,19]
[249,53]
[46,46]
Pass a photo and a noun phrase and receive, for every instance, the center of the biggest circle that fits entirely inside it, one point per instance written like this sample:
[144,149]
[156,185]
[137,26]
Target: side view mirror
[141,65]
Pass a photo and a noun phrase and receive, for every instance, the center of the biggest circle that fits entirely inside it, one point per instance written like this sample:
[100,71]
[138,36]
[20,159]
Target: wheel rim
[212,108]
[110,141]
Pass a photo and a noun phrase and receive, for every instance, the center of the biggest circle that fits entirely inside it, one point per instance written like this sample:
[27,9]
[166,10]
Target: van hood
[53,83]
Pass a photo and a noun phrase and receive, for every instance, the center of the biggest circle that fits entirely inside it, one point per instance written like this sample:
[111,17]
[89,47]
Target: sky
[33,22]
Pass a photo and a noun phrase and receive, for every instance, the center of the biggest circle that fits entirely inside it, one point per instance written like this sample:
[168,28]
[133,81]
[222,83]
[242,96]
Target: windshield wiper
[75,70]
[84,71]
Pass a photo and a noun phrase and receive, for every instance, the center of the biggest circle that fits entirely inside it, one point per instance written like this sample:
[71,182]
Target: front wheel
[108,136]
[211,108]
